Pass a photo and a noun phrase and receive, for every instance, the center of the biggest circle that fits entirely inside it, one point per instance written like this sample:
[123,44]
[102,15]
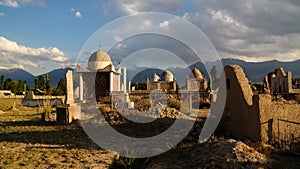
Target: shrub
[174,103]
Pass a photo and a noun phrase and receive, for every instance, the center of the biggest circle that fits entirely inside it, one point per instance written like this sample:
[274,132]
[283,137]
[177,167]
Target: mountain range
[254,71]
[20,74]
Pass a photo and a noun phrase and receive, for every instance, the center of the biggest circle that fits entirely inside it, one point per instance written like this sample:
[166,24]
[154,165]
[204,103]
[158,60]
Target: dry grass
[143,104]
[135,99]
[7,104]
[28,142]
[174,103]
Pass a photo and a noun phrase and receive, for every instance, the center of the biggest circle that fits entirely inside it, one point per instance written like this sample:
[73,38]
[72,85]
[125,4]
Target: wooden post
[279,133]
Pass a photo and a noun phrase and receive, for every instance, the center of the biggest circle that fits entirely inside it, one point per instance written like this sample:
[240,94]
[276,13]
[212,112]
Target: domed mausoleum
[103,74]
[99,60]
[165,82]
[167,76]
[196,81]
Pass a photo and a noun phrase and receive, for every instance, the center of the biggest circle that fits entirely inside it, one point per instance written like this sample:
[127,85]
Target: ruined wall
[279,82]
[257,117]
[271,112]
[240,118]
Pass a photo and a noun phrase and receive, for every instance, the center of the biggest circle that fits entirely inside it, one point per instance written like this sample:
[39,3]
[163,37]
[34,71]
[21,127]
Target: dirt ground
[28,142]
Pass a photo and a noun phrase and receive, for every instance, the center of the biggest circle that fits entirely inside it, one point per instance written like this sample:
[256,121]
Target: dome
[156,78]
[99,60]
[197,74]
[167,76]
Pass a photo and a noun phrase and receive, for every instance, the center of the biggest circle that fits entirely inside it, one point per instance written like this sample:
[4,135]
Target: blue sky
[41,35]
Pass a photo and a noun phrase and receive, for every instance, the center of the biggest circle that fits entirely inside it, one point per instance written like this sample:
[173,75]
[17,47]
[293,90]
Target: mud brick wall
[271,112]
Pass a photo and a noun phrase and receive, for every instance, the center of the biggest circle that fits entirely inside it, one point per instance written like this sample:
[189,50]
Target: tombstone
[69,111]
[69,88]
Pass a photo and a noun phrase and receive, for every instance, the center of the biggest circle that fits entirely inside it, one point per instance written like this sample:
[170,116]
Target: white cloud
[2,14]
[10,3]
[10,48]
[121,46]
[78,14]
[117,38]
[251,30]
[72,9]
[32,1]
[17,3]
[164,24]
[136,6]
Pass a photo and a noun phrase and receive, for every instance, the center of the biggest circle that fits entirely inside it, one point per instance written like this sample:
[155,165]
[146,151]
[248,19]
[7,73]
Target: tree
[7,84]
[1,81]
[39,83]
[61,88]
[26,86]
[140,86]
[48,87]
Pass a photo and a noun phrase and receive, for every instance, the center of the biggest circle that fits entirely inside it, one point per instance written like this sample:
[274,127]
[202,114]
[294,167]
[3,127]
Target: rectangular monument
[69,111]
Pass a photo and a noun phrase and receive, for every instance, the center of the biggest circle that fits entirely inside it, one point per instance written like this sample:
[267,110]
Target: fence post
[279,133]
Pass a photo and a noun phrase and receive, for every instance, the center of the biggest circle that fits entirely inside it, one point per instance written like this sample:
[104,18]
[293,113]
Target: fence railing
[287,138]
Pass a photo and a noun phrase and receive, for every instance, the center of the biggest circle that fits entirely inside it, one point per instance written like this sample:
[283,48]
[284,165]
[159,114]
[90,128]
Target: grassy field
[28,142]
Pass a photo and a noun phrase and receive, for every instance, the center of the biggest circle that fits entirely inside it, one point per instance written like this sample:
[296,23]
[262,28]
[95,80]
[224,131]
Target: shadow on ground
[70,136]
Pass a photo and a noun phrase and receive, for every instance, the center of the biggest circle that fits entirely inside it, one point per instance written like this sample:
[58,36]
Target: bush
[174,103]
[143,104]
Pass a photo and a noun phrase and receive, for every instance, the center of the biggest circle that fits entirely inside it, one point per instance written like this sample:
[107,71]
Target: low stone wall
[42,101]
[11,97]
[280,120]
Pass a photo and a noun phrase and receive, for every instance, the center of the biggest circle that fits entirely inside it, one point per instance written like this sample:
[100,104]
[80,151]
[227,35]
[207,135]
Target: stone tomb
[69,111]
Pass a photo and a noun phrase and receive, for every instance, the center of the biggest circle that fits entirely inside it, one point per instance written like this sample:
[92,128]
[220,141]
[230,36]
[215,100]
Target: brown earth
[28,142]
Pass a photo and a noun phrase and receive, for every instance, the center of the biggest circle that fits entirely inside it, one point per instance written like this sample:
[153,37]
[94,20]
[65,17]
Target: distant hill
[16,74]
[254,71]
[142,74]
[20,74]
[57,74]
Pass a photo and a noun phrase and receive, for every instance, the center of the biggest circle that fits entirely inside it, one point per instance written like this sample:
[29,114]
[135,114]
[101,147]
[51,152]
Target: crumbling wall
[286,113]
[240,118]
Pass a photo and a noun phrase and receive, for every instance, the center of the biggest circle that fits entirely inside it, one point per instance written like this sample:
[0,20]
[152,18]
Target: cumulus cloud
[17,3]
[251,30]
[164,24]
[136,6]
[33,1]
[16,54]
[2,14]
[10,3]
[78,14]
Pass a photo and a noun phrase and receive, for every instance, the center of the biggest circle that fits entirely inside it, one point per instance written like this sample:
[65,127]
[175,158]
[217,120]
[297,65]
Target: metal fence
[288,139]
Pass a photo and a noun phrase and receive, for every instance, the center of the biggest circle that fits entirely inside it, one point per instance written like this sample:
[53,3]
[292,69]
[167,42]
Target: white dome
[156,78]
[167,76]
[99,60]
